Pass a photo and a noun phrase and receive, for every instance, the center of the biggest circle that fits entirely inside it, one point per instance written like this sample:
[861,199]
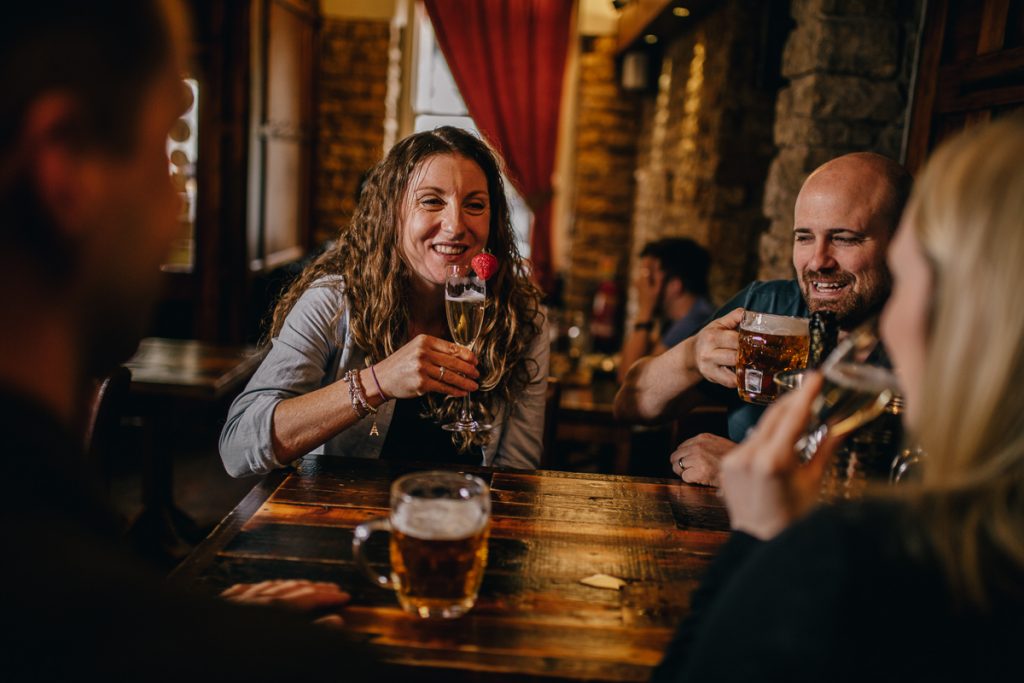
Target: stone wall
[352,87]
[849,65]
[706,144]
[606,134]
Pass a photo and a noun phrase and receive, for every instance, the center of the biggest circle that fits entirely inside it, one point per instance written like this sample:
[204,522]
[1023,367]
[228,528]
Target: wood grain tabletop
[534,619]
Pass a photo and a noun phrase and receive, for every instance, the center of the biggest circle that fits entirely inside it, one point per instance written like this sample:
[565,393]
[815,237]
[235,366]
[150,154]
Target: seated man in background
[845,215]
[87,214]
[671,292]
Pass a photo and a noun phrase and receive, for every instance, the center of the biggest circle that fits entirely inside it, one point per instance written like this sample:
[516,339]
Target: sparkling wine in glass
[856,389]
[465,297]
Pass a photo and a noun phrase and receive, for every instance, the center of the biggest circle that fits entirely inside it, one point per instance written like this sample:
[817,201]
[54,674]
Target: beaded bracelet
[356,405]
[357,394]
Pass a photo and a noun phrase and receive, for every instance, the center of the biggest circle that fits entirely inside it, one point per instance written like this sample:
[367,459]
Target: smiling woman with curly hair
[361,362]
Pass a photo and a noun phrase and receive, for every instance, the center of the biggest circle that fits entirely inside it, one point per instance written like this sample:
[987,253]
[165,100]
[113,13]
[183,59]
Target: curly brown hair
[376,277]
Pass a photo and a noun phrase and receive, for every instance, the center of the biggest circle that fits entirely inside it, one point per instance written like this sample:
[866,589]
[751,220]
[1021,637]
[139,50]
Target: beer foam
[469,296]
[765,323]
[439,520]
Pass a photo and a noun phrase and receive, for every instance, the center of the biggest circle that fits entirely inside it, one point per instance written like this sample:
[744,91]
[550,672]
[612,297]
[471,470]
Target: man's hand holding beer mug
[716,350]
[745,350]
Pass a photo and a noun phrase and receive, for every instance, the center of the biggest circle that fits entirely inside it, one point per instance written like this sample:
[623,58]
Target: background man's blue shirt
[689,324]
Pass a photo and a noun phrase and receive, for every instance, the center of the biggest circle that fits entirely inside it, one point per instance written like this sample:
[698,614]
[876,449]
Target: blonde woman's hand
[717,349]
[426,364]
[762,480]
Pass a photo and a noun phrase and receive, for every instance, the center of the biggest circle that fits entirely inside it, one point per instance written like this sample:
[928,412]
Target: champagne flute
[465,296]
[855,391]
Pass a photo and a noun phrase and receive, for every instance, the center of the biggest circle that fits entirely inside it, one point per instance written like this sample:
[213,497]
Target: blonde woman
[361,362]
[922,583]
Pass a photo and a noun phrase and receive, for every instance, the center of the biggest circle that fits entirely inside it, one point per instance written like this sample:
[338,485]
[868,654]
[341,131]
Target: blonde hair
[967,210]
[377,276]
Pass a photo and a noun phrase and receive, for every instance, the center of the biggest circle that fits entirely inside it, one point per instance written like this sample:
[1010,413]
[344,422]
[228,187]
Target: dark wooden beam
[636,17]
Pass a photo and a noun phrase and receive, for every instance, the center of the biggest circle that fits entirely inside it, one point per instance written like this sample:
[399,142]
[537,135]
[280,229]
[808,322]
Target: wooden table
[173,380]
[534,619]
[585,415]
[190,369]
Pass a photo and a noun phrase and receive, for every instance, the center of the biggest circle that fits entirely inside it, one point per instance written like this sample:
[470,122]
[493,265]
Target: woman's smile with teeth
[449,249]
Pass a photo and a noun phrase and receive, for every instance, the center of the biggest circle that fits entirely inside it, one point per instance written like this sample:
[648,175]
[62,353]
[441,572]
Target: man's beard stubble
[861,301]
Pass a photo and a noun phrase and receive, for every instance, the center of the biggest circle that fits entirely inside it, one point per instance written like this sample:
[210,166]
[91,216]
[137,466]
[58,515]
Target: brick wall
[352,88]
[606,134]
[849,63]
[706,144]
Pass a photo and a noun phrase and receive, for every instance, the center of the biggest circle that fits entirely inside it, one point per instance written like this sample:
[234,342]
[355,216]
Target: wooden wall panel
[971,69]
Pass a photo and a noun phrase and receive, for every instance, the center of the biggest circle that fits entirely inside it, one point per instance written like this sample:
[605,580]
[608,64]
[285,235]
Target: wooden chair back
[103,418]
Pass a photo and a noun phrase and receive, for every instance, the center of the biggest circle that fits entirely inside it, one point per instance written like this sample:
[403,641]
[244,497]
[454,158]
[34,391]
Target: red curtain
[508,59]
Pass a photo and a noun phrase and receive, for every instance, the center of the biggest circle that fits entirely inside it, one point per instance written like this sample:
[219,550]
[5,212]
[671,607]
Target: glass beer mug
[768,345]
[439,525]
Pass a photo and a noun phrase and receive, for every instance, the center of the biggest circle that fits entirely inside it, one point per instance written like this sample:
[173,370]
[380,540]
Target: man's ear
[66,176]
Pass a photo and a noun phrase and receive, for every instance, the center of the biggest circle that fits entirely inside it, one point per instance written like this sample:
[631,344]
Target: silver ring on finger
[680,463]
[443,368]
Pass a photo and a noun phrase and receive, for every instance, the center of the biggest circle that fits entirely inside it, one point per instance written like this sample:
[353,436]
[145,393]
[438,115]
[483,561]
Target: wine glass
[465,296]
[856,389]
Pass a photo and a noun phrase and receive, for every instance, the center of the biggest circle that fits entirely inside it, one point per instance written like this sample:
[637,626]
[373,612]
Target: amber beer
[769,344]
[438,555]
[439,525]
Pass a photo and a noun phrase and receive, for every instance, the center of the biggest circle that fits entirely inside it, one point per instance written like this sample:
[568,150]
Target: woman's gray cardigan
[306,356]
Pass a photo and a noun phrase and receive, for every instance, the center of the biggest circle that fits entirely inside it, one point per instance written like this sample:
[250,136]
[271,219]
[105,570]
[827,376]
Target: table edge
[186,573]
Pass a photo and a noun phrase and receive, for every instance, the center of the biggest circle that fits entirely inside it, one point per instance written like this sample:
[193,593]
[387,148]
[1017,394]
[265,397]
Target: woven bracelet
[373,373]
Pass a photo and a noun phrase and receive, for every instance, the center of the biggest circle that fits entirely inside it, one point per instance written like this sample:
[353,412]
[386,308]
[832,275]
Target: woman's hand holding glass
[765,485]
[427,364]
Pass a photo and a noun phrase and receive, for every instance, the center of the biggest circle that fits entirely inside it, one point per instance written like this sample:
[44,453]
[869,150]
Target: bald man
[845,215]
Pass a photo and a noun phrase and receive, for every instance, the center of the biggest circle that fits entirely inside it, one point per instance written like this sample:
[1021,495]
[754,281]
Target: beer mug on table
[439,524]
[769,345]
